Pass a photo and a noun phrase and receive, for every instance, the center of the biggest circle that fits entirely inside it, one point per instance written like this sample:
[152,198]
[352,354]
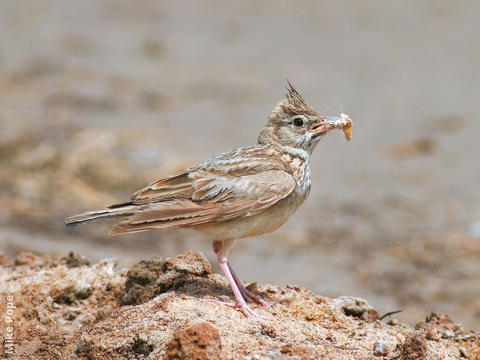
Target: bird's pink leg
[240,301]
[221,249]
[247,295]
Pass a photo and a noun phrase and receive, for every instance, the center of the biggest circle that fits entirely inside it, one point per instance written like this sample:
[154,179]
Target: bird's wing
[216,179]
[173,187]
[199,197]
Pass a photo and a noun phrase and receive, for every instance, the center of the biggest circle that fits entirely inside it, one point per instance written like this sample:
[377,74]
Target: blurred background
[100,98]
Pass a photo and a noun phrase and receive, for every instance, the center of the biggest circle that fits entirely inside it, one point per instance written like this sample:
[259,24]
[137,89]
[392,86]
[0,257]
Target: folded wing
[197,198]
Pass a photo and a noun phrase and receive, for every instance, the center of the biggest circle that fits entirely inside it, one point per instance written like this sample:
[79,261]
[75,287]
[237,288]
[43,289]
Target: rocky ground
[100,98]
[166,308]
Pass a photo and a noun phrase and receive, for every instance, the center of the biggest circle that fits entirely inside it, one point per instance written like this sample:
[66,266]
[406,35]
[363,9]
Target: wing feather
[195,199]
[176,186]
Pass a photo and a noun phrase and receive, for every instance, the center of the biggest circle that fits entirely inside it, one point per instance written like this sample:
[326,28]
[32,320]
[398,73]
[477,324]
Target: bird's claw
[249,296]
[247,311]
[244,308]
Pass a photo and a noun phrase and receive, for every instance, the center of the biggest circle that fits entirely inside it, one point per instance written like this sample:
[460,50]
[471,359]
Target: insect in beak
[327,123]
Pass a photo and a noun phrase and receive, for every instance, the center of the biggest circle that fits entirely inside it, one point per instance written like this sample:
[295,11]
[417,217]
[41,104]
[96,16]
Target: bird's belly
[262,223]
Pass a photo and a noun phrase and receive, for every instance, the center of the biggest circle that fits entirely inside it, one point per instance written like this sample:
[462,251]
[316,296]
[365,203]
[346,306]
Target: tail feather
[113,212]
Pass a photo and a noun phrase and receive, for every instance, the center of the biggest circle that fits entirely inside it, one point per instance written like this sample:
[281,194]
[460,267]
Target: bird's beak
[327,123]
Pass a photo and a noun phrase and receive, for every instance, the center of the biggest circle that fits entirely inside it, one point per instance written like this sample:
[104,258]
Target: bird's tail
[114,211]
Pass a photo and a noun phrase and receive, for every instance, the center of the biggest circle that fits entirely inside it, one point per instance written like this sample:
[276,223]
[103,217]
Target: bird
[241,193]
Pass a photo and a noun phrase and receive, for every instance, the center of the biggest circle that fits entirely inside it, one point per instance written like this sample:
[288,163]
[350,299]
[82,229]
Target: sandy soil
[99,98]
[168,309]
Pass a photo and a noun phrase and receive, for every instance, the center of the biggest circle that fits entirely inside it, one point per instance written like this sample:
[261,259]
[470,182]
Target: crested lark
[246,192]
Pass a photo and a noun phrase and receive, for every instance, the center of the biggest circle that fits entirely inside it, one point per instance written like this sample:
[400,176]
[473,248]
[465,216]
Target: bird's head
[295,124]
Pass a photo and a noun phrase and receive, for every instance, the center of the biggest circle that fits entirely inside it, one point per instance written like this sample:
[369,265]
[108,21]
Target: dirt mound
[168,308]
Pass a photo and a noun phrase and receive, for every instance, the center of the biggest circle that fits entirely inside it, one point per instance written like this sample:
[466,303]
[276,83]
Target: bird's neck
[300,168]
[297,153]
[297,163]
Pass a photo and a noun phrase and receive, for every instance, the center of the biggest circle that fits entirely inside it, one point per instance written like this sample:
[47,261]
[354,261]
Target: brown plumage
[245,192]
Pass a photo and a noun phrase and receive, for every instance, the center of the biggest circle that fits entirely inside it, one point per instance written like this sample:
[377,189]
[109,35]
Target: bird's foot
[246,310]
[243,307]
[246,294]
[250,296]
[242,295]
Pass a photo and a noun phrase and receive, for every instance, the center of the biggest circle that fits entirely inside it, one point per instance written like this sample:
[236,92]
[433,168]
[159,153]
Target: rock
[141,346]
[439,326]
[200,341]
[268,330]
[380,348]
[70,294]
[75,260]
[163,309]
[155,276]
[141,279]
[414,347]
[190,263]
[357,307]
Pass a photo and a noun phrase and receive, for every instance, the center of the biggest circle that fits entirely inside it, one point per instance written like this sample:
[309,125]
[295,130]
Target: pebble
[380,348]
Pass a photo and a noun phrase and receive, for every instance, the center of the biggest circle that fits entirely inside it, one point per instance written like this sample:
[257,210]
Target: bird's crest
[293,97]
[293,103]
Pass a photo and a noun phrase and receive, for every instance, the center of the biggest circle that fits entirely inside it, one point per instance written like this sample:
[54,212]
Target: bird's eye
[298,122]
